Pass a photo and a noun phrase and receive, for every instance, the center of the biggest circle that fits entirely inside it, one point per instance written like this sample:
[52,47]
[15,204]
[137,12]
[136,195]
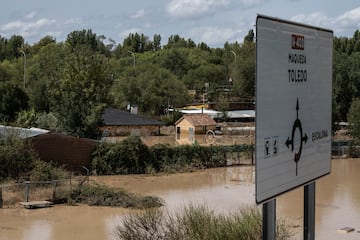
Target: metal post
[309,211]
[1,198]
[27,190]
[54,191]
[269,220]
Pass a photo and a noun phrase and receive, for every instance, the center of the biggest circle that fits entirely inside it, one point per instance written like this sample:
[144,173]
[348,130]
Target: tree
[160,89]
[12,100]
[157,42]
[214,75]
[175,60]
[42,43]
[250,36]
[80,97]
[354,119]
[44,71]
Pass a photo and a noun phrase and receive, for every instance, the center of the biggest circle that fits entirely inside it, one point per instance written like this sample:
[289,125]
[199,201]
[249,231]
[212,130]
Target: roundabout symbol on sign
[303,138]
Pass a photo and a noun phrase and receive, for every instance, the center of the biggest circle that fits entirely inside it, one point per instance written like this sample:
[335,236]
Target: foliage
[131,156]
[18,160]
[76,79]
[100,195]
[354,119]
[171,118]
[44,171]
[80,97]
[48,121]
[26,118]
[196,222]
[12,100]
[17,156]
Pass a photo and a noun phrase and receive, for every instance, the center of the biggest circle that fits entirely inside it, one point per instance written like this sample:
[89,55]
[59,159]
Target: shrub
[44,171]
[196,222]
[130,156]
[100,195]
[16,156]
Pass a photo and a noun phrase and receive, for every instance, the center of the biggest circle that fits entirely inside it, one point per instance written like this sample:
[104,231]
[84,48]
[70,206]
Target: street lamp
[23,53]
[234,53]
[133,54]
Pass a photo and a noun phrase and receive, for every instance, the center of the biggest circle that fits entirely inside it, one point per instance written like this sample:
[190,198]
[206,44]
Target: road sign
[293,105]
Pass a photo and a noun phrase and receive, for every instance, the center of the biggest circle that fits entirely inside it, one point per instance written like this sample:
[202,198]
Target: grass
[196,223]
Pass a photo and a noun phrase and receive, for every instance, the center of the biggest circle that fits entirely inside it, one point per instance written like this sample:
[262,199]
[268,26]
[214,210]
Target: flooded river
[222,189]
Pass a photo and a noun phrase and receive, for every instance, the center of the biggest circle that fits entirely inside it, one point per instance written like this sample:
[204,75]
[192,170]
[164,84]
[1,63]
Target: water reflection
[222,189]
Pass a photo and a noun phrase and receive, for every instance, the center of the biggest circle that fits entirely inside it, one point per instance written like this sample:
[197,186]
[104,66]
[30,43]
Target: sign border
[260,16]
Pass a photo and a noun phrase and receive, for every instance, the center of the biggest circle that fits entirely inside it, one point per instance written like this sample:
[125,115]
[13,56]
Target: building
[194,127]
[72,153]
[122,123]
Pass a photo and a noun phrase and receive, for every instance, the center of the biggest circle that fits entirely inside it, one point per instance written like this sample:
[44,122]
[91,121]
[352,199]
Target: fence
[345,148]
[54,191]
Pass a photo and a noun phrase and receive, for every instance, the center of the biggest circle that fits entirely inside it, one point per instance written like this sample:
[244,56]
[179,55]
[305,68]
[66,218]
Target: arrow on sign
[303,139]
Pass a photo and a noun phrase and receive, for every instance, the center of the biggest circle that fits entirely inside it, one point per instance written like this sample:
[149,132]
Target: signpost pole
[309,211]
[269,220]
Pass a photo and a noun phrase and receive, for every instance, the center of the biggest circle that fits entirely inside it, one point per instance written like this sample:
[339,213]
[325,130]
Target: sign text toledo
[293,105]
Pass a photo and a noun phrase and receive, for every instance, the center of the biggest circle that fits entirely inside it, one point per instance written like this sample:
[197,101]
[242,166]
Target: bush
[100,195]
[130,156]
[44,171]
[17,156]
[196,222]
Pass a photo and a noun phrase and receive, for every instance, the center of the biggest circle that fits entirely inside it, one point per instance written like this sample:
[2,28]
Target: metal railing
[54,191]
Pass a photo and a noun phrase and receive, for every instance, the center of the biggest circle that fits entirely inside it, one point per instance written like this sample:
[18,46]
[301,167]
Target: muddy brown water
[223,189]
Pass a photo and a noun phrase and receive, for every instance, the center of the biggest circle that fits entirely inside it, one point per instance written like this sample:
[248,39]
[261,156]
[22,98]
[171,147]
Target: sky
[211,21]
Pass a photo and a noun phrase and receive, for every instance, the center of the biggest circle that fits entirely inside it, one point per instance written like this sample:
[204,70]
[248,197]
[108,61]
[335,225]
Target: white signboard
[293,105]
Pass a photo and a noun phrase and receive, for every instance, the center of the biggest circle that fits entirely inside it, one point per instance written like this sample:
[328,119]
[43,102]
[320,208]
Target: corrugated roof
[241,114]
[198,119]
[22,132]
[116,117]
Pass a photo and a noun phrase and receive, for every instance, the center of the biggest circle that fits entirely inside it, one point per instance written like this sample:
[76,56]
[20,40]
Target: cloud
[194,8]
[74,21]
[215,35]
[347,21]
[30,15]
[138,14]
[350,19]
[316,18]
[251,3]
[27,28]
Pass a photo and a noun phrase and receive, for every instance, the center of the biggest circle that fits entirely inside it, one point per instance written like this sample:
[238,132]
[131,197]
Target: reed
[196,223]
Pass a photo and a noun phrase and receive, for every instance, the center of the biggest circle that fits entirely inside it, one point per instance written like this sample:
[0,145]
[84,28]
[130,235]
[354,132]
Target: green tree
[160,89]
[354,119]
[44,72]
[12,100]
[80,96]
[343,88]
[175,60]
[250,36]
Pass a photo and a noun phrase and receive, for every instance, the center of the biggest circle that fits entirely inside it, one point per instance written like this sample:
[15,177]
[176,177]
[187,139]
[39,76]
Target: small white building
[190,126]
